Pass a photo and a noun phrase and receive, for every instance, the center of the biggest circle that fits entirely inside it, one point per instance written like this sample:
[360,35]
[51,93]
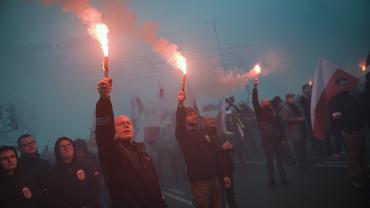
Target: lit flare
[100,31]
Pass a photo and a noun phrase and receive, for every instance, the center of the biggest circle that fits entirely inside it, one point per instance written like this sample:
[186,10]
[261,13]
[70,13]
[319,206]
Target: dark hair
[289,95]
[5,148]
[305,86]
[8,148]
[56,148]
[22,137]
[190,110]
[339,80]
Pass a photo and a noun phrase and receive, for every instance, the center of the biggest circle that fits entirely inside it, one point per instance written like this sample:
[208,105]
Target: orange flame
[363,67]
[180,61]
[257,69]
[100,32]
[310,82]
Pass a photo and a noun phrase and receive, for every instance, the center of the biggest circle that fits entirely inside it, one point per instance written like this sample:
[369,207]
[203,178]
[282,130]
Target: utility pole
[213,23]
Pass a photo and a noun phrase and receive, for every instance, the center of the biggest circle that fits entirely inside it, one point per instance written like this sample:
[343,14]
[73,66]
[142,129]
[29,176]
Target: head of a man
[342,85]
[290,98]
[124,128]
[209,122]
[191,118]
[64,150]
[265,103]
[307,90]
[8,159]
[81,147]
[27,144]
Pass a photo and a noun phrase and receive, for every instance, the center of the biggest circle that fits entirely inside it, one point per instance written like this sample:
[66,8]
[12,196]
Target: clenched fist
[104,87]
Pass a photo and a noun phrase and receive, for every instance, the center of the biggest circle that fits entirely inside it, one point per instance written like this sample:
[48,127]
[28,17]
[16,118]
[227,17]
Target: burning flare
[257,69]
[100,31]
[179,61]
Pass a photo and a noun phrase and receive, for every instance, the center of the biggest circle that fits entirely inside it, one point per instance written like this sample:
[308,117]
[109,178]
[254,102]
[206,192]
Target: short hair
[289,95]
[5,148]
[304,86]
[22,137]
[340,79]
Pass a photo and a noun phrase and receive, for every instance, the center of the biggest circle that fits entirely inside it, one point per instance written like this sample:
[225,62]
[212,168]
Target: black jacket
[74,185]
[128,171]
[199,153]
[226,164]
[19,191]
[36,167]
[269,122]
[366,99]
[351,110]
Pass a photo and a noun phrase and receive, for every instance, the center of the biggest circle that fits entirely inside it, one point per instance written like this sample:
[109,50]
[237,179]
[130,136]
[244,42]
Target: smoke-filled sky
[50,65]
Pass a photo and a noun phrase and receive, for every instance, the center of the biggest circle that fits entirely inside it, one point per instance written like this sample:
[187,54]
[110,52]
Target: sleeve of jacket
[225,169]
[105,133]
[255,101]
[180,122]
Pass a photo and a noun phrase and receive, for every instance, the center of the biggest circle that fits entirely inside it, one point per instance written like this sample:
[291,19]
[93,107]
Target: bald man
[128,171]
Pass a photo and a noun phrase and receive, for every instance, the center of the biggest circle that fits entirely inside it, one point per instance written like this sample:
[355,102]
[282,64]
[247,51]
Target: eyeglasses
[66,146]
[124,123]
[31,143]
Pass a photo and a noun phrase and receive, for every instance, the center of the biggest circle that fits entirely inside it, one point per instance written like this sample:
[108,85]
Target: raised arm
[180,116]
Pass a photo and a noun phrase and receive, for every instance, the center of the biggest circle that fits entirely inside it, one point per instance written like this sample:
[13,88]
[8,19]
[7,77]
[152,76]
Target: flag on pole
[323,89]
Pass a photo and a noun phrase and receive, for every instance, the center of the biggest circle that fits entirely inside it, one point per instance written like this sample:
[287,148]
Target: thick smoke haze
[50,65]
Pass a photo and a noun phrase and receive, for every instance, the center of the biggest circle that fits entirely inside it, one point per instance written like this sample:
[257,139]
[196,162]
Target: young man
[72,182]
[30,161]
[347,115]
[294,127]
[271,128]
[200,158]
[223,152]
[128,171]
[18,190]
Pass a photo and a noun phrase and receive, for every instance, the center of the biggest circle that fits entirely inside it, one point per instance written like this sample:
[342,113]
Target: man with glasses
[72,182]
[347,116]
[30,161]
[129,172]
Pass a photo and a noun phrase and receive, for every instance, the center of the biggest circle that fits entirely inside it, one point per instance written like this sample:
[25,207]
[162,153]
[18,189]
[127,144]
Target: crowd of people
[123,173]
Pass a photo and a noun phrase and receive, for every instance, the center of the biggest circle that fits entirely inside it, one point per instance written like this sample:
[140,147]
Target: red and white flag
[323,89]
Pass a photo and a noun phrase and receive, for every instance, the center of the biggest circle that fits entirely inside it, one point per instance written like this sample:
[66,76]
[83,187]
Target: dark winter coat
[366,99]
[269,122]
[226,164]
[73,185]
[36,167]
[128,171]
[198,151]
[351,110]
[19,191]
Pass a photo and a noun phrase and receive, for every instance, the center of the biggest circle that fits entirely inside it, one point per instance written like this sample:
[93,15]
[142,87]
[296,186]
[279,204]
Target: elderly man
[128,171]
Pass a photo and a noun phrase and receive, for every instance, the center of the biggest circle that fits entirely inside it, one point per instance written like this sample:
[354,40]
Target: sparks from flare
[100,32]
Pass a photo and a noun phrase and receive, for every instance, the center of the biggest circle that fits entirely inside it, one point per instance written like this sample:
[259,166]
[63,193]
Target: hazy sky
[49,64]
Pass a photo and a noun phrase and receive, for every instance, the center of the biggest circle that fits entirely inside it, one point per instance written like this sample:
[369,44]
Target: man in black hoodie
[200,158]
[30,161]
[73,183]
[128,171]
[18,190]
[347,115]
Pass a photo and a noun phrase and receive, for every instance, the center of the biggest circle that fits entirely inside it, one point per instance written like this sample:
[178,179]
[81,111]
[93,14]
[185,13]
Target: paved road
[324,185]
